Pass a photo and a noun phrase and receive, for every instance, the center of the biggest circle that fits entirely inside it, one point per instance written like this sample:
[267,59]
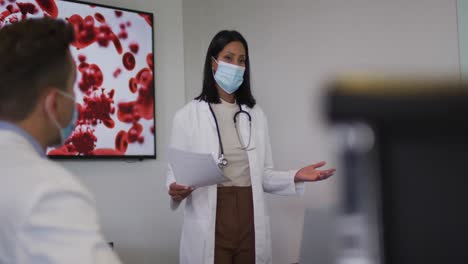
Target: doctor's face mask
[229,67]
[229,76]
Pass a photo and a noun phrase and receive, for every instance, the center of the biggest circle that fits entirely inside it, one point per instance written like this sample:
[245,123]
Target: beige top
[237,170]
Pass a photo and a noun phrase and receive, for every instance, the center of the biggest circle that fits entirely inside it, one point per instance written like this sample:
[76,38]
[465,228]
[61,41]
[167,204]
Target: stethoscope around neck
[222,161]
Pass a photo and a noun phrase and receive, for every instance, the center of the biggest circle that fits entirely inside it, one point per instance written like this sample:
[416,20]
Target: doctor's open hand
[179,192]
[312,173]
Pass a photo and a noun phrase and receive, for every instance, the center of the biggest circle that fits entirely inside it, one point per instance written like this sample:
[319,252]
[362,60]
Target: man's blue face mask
[66,131]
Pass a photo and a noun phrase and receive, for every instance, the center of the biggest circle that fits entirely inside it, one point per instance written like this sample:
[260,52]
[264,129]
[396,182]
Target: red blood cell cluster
[83,140]
[49,7]
[97,108]
[143,107]
[12,8]
[91,77]
[87,33]
[27,8]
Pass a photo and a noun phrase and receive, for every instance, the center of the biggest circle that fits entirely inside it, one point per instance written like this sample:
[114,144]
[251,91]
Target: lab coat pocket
[193,240]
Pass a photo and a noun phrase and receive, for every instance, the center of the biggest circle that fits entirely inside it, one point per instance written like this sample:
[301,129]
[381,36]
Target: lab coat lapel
[211,136]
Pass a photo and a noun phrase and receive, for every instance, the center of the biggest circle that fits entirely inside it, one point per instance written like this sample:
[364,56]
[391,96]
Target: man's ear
[50,104]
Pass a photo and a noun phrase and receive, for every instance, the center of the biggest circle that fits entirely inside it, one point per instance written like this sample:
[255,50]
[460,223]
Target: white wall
[297,44]
[131,197]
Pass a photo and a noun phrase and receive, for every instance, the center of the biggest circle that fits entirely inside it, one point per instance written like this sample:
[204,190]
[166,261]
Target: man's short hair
[34,55]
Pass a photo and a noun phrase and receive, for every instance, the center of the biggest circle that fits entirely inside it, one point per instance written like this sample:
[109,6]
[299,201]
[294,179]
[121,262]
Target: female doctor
[229,223]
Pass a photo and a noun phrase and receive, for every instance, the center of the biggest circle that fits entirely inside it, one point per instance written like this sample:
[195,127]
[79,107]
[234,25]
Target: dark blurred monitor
[420,160]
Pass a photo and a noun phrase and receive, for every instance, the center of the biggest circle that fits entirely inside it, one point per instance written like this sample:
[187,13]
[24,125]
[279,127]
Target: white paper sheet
[195,169]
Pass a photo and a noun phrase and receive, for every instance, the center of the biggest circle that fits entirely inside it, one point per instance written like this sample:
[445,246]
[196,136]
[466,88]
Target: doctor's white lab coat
[194,130]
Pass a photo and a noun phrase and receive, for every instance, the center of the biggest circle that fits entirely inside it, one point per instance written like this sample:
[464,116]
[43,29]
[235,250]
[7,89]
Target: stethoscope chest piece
[222,162]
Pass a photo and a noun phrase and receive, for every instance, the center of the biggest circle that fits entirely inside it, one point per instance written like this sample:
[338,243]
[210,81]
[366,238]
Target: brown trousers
[235,231]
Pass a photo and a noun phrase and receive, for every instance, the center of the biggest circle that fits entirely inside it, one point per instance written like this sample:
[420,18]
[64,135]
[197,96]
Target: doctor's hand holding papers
[192,170]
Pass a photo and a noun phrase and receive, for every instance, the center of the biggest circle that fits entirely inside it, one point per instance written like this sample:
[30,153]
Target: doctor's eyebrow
[232,53]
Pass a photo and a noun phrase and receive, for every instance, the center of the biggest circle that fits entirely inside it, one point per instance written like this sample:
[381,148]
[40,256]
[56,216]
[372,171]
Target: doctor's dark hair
[209,92]
[34,55]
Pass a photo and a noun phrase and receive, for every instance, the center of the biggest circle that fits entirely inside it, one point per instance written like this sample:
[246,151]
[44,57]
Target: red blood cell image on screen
[148,19]
[145,100]
[117,72]
[149,60]
[49,7]
[100,18]
[143,107]
[123,35]
[83,139]
[117,44]
[121,141]
[134,47]
[145,104]
[13,19]
[12,9]
[115,120]
[134,132]
[82,58]
[103,37]
[27,8]
[91,77]
[67,150]
[97,108]
[106,152]
[2,2]
[129,61]
[133,84]
[126,112]
[87,33]
[3,15]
